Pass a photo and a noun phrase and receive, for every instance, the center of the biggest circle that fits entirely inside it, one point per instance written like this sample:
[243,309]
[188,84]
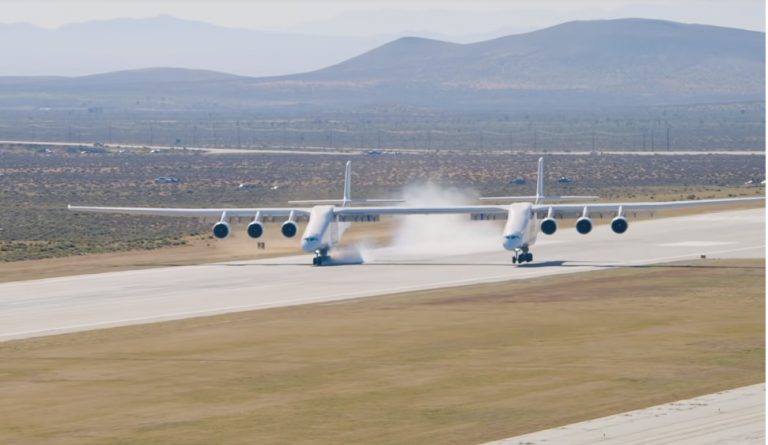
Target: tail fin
[540,197]
[540,182]
[346,200]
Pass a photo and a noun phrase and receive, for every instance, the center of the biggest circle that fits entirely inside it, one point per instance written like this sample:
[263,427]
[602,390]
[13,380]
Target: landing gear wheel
[514,259]
[321,258]
[527,257]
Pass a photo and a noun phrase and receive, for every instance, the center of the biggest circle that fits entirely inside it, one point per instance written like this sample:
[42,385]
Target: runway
[729,417]
[68,304]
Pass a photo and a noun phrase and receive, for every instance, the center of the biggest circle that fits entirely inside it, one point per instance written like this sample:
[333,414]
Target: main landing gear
[522,256]
[321,258]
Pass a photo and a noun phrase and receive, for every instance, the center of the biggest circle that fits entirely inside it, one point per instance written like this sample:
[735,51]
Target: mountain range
[606,63]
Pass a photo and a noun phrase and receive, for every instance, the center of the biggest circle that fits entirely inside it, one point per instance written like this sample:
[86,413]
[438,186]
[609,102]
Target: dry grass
[198,250]
[457,365]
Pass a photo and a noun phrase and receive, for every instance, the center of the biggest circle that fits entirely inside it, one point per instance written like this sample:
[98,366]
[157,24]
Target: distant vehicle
[246,185]
[275,187]
[518,181]
[375,153]
[564,180]
[154,150]
[167,180]
[754,183]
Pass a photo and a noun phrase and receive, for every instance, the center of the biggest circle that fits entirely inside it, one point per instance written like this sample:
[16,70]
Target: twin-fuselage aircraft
[327,220]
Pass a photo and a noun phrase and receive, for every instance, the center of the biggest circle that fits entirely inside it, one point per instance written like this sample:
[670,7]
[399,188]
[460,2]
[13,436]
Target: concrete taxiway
[67,304]
[725,418]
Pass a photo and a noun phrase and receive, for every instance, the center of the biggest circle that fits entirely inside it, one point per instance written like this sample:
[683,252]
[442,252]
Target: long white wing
[576,210]
[302,213]
[446,210]
[560,210]
[197,213]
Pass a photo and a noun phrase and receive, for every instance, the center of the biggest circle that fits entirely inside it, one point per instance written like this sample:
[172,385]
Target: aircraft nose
[512,241]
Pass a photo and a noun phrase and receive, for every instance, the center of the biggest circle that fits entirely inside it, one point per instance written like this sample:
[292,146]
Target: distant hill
[650,58]
[126,44]
[157,75]
[575,65]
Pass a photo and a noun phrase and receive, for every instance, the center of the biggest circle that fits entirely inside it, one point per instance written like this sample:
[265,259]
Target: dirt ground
[449,366]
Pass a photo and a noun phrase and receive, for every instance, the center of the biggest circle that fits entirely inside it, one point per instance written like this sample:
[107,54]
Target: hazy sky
[377,16]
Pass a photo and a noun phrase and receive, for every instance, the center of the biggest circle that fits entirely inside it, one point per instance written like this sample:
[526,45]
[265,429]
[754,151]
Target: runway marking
[697,243]
[352,295]
[739,418]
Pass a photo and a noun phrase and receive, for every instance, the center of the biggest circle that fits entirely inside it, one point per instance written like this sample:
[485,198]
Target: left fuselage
[323,230]
[319,231]
[521,228]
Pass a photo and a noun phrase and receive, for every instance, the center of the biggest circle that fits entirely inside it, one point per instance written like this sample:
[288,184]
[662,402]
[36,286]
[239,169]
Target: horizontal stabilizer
[341,201]
[541,198]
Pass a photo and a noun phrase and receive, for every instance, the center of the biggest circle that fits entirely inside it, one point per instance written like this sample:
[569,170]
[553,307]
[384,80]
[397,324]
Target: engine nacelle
[619,225]
[584,225]
[548,226]
[255,229]
[221,230]
[289,229]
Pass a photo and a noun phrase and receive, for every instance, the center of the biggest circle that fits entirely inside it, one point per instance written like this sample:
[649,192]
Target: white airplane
[326,221]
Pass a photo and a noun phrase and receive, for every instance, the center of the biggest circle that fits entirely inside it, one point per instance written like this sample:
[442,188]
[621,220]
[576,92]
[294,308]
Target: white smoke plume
[430,236]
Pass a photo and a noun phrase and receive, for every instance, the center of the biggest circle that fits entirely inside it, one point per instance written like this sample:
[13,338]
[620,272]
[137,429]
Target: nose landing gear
[522,256]
[321,258]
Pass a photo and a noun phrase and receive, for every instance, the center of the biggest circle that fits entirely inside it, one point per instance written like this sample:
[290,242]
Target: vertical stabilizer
[347,199]
[540,197]
[540,182]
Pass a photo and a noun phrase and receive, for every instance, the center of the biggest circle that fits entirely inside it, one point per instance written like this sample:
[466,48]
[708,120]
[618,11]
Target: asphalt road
[461,255]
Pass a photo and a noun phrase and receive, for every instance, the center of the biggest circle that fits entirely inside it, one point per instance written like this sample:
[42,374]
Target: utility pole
[668,138]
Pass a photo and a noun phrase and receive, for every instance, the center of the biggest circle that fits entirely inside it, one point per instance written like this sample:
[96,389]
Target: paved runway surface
[57,305]
[726,418]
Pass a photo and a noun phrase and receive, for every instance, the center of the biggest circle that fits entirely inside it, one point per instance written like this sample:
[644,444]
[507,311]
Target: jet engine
[584,225]
[255,229]
[548,226]
[221,230]
[619,225]
[289,229]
